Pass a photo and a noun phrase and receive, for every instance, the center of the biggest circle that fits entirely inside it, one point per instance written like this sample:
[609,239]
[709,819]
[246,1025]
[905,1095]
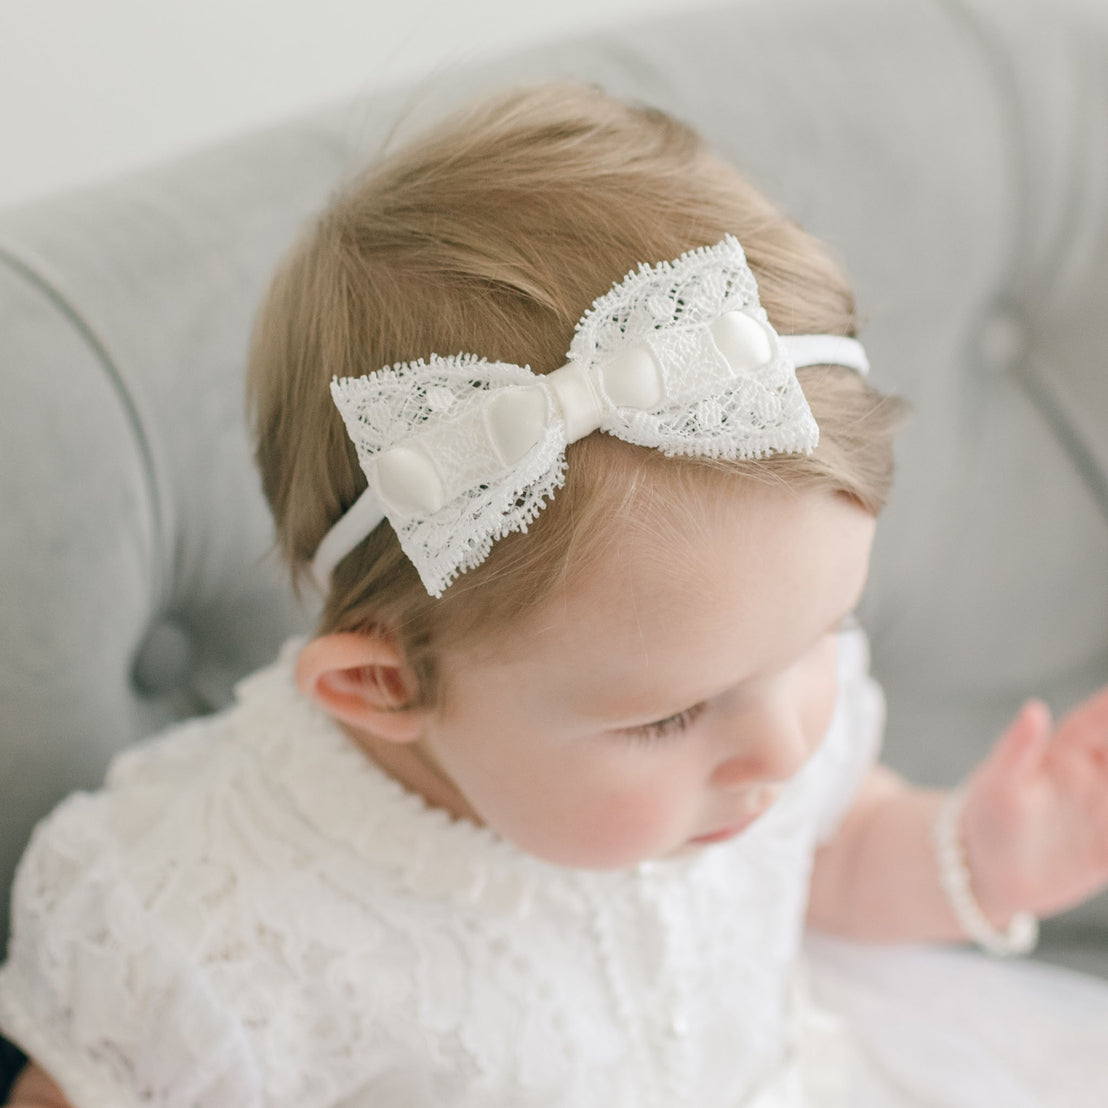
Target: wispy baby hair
[491,234]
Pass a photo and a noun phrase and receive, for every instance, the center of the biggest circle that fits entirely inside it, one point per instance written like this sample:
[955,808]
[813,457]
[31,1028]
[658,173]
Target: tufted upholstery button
[1001,340]
[165,660]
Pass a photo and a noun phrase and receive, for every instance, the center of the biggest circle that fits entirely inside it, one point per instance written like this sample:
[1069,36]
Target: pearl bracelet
[1022,932]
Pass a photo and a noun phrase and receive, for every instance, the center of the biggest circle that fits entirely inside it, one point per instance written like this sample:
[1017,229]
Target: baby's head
[492,235]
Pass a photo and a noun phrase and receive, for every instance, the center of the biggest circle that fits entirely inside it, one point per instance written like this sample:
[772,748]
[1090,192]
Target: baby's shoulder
[164,792]
[147,819]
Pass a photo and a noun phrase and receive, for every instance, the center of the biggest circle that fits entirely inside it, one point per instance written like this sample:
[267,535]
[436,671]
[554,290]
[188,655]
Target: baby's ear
[364,681]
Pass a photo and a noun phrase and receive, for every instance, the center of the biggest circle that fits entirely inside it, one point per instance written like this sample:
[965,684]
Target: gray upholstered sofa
[953,152]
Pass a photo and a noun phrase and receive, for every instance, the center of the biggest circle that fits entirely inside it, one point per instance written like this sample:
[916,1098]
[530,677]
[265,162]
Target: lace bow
[679,356]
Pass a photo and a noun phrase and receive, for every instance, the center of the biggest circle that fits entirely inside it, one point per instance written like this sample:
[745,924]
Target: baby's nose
[772,753]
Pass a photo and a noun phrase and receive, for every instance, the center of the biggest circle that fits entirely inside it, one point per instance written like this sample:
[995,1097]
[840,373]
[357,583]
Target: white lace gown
[251,915]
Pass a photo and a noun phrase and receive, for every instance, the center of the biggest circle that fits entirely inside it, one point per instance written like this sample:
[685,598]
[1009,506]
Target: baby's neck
[417,770]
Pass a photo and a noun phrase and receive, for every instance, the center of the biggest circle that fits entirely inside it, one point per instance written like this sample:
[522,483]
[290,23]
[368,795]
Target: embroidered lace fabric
[251,914]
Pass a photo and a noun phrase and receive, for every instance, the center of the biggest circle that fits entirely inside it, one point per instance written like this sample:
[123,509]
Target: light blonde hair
[491,235]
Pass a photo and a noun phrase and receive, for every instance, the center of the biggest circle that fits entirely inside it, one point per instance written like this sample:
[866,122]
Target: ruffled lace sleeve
[853,742]
[105,997]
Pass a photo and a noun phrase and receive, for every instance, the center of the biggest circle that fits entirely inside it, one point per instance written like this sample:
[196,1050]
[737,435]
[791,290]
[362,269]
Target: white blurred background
[92,88]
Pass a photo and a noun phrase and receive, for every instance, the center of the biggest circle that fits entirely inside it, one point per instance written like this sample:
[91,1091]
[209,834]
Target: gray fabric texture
[954,153]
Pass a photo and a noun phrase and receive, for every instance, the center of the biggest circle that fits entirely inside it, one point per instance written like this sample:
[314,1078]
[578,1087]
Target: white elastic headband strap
[363,517]
[808,350]
[358,522]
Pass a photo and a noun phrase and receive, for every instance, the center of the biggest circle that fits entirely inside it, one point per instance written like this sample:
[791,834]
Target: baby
[585,736]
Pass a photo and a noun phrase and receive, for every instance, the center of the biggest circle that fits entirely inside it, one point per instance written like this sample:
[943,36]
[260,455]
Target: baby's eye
[663,728]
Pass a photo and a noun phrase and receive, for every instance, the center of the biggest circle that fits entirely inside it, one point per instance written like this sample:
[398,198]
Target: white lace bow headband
[680,356]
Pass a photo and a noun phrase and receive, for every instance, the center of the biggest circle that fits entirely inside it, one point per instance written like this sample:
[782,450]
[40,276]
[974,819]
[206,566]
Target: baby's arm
[35,1090]
[877,879]
[1034,828]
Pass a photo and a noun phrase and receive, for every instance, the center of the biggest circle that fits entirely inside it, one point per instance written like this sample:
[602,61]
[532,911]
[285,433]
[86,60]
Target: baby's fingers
[1020,749]
[1087,724]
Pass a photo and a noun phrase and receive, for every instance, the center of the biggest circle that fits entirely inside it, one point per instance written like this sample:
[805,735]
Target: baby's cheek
[630,826]
[821,696]
[568,824]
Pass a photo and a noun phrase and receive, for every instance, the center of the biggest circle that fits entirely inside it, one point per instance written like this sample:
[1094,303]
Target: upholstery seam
[115,379]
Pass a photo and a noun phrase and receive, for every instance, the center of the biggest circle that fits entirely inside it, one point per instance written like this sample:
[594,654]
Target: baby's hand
[1036,815]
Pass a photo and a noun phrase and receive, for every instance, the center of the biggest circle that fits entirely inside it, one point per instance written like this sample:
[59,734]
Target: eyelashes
[665,728]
